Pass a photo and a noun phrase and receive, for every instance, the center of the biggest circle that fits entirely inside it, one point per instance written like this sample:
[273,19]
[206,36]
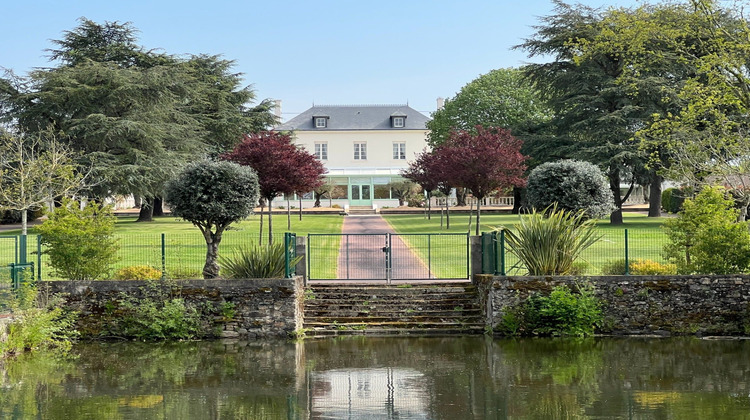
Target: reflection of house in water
[382,393]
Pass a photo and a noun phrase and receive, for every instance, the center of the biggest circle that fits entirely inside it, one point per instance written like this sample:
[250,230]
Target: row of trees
[130,117]
[645,93]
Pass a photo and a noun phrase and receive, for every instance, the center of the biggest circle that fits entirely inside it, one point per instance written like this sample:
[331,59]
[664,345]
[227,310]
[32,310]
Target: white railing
[471,201]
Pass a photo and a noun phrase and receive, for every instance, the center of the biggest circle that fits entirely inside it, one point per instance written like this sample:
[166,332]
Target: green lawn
[645,237]
[141,243]
[185,248]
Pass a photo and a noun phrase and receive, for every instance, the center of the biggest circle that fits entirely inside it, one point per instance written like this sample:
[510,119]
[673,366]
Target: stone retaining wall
[664,305]
[262,307]
[4,324]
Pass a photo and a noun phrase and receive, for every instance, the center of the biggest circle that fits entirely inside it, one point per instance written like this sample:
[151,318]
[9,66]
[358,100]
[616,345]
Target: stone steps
[392,310]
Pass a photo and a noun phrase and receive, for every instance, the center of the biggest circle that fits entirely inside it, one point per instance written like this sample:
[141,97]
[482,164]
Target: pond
[384,378]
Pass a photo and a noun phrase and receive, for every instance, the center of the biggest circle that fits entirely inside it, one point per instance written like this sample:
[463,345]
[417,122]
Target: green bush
[638,267]
[562,313]
[613,267]
[138,272]
[673,198]
[37,326]
[572,185]
[183,273]
[256,262]
[80,242]
[158,314]
[706,237]
[549,242]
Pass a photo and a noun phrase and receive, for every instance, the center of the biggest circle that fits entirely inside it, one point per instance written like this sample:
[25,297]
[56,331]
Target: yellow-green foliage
[138,272]
[651,268]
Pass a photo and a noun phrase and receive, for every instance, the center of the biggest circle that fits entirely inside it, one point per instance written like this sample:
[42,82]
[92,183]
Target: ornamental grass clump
[549,242]
[256,262]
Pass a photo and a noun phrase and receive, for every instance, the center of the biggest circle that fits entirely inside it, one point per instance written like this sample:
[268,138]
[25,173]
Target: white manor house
[364,147]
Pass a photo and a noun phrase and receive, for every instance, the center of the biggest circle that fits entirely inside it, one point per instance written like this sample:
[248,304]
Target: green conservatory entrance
[361,194]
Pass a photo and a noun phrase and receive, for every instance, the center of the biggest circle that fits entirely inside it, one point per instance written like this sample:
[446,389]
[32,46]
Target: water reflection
[384,378]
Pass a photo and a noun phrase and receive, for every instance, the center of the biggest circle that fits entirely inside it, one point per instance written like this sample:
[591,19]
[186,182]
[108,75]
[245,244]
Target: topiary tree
[573,185]
[212,195]
[80,241]
[706,238]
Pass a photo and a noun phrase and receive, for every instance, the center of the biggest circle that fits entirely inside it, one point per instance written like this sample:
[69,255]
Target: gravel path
[361,256]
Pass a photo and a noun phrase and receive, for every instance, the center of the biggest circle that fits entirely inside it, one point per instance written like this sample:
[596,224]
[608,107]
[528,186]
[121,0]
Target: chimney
[440,103]
[277,109]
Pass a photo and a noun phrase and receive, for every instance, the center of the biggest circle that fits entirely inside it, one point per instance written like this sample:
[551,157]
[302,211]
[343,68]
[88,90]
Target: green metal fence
[176,255]
[615,245]
[290,253]
[388,256]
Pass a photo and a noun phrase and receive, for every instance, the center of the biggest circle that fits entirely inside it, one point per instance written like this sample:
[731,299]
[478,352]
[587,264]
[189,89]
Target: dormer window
[398,122]
[320,122]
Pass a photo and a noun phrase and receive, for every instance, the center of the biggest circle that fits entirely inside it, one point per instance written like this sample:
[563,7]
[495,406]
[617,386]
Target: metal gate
[388,256]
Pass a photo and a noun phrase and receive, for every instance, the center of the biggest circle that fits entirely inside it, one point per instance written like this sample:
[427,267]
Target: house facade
[364,147]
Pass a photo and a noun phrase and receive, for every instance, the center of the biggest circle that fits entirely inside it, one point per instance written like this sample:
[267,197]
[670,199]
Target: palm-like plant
[548,242]
[256,262]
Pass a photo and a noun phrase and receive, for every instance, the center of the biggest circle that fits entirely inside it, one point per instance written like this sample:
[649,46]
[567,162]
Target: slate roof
[356,117]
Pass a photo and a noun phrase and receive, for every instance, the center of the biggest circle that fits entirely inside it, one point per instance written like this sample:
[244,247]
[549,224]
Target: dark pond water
[385,378]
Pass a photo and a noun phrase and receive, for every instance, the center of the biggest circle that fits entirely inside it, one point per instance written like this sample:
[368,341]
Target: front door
[361,195]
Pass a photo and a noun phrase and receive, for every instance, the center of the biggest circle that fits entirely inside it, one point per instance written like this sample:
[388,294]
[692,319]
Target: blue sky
[305,52]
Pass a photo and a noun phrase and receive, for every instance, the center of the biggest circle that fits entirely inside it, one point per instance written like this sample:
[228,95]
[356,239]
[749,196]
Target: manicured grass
[645,237]
[185,248]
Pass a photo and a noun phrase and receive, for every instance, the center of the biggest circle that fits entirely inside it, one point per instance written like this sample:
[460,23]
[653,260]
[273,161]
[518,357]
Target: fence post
[287,269]
[39,257]
[627,260]
[22,252]
[502,252]
[163,256]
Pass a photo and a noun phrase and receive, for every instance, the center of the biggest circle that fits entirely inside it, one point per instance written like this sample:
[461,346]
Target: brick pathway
[362,256]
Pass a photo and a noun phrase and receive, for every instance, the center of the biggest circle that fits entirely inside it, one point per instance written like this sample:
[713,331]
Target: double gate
[388,256]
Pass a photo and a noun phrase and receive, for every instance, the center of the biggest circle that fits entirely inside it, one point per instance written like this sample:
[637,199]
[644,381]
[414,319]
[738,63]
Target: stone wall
[261,307]
[664,305]
[5,322]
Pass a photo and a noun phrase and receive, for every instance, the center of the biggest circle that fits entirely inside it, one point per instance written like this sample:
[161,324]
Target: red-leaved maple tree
[483,162]
[282,166]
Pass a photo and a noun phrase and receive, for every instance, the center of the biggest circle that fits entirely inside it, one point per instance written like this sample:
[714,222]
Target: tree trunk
[136,201]
[654,196]
[211,269]
[447,214]
[429,205]
[158,206]
[300,208]
[270,222]
[24,221]
[317,200]
[288,215]
[260,235]
[147,212]
[471,214]
[460,197]
[479,212]
[614,185]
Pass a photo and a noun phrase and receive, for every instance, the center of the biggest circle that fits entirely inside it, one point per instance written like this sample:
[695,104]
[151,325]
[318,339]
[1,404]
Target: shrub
[673,198]
[37,326]
[651,268]
[138,272]
[158,314]
[256,262]
[706,237]
[573,185]
[614,267]
[182,273]
[562,313]
[549,244]
[80,242]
